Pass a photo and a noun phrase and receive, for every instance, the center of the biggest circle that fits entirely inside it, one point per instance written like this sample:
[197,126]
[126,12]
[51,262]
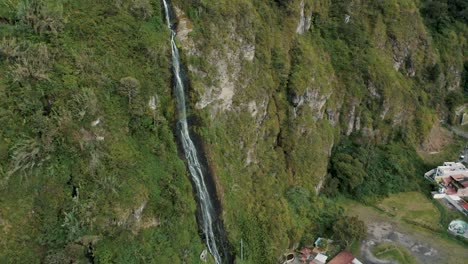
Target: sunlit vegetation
[385,65]
[395,252]
[87,117]
[81,151]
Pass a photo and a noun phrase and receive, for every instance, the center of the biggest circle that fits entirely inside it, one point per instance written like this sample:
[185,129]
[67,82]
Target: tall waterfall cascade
[206,206]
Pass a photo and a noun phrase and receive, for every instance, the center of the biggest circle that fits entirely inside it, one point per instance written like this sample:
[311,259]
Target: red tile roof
[345,257]
[306,251]
[450,190]
[465,205]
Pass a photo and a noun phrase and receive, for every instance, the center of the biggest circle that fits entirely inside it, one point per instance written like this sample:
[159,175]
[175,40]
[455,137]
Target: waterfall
[207,211]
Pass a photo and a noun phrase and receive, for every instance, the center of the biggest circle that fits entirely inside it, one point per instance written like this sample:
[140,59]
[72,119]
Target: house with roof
[446,170]
[452,178]
[307,256]
[344,257]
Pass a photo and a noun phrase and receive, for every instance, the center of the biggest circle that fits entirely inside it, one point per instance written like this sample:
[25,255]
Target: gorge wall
[278,83]
[89,168]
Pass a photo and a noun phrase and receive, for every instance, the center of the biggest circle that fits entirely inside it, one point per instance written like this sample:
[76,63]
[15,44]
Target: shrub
[84,103]
[27,154]
[349,170]
[348,229]
[141,9]
[9,48]
[34,63]
[129,87]
[43,18]
[453,99]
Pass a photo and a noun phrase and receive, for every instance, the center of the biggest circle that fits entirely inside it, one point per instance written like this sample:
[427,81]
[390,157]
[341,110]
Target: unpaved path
[459,132]
[426,246]
[380,232]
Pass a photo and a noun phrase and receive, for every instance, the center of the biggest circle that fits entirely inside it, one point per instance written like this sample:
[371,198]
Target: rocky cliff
[278,83]
[89,166]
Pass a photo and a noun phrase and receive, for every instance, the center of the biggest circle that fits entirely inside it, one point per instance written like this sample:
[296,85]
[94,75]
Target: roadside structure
[320,259]
[345,257]
[452,178]
[446,170]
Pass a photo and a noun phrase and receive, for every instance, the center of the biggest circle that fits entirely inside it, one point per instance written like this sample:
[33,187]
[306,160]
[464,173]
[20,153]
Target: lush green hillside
[66,184]
[276,96]
[89,165]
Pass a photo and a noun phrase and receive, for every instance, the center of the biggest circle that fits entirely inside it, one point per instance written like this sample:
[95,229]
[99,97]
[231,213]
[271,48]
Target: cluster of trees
[440,14]
[368,172]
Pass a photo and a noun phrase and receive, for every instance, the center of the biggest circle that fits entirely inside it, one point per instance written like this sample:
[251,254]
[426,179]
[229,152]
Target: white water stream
[194,165]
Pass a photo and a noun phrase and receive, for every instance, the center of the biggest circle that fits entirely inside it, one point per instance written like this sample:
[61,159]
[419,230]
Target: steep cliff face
[278,83]
[89,168]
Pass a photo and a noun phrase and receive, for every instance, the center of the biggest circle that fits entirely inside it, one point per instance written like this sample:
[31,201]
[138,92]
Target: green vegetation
[83,149]
[412,207]
[380,78]
[449,248]
[392,251]
[349,229]
[87,169]
[381,170]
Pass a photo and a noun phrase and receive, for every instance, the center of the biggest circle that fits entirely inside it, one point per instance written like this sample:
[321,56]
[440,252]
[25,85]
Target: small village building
[344,257]
[452,178]
[320,259]
[446,170]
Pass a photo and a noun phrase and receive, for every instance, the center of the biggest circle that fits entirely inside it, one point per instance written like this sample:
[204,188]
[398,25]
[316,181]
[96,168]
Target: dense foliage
[89,168]
[368,171]
[374,70]
[349,229]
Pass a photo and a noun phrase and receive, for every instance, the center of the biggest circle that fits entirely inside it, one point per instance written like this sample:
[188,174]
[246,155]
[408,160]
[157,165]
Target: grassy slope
[413,213]
[391,251]
[100,43]
[411,207]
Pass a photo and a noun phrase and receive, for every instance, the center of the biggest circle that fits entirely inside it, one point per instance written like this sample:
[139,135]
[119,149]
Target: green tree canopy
[348,170]
[348,229]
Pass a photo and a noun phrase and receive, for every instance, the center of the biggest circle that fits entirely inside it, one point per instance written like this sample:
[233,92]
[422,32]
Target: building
[457,202]
[452,178]
[456,185]
[320,259]
[345,257]
[446,170]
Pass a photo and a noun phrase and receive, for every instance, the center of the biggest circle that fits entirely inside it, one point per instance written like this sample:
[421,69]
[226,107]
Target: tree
[348,170]
[129,87]
[42,16]
[453,100]
[348,229]
[322,245]
[141,9]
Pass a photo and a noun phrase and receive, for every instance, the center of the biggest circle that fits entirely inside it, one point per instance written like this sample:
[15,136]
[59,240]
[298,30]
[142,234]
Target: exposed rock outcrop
[304,21]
